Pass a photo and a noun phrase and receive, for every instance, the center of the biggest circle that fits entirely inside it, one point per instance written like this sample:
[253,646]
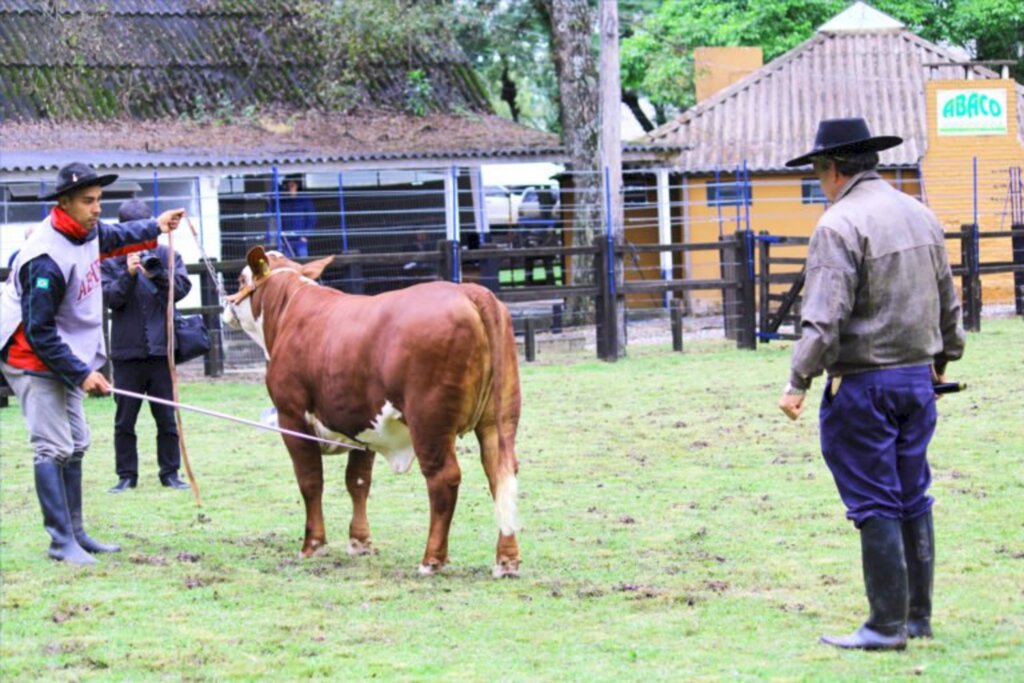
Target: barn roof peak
[861,16]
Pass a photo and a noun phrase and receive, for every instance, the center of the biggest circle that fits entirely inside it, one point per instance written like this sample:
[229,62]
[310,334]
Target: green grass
[675,527]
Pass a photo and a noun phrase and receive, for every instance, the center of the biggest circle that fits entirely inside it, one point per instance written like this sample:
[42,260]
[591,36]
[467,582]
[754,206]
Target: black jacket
[138,305]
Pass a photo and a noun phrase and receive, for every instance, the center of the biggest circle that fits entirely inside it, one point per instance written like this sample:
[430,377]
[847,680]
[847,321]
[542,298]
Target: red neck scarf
[66,225]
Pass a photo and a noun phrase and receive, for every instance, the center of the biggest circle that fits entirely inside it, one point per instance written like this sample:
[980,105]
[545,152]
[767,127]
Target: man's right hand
[169,220]
[96,384]
[133,261]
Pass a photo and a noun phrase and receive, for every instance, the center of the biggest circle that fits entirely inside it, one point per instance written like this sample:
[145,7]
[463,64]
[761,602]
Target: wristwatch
[790,390]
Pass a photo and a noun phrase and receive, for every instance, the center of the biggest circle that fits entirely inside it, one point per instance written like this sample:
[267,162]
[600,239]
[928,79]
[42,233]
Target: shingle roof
[772,114]
[154,58]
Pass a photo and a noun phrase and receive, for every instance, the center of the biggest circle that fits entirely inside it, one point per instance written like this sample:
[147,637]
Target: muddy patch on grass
[198,581]
[151,560]
[635,591]
[66,612]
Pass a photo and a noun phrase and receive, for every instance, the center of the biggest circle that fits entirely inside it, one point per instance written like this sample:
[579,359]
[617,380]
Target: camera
[150,261]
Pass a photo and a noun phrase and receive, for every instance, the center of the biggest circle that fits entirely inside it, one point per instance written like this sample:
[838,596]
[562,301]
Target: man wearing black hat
[51,343]
[135,287]
[880,315]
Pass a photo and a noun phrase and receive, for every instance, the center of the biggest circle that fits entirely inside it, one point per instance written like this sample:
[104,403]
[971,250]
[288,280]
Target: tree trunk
[572,46]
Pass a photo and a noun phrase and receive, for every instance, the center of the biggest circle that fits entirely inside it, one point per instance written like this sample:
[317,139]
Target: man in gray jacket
[880,314]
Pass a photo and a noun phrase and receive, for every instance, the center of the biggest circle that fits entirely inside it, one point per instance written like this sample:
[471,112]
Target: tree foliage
[357,40]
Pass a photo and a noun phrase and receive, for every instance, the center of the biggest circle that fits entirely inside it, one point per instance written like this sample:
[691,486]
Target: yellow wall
[947,169]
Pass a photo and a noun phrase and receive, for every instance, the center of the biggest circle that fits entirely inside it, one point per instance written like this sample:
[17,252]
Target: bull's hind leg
[441,470]
[309,472]
[358,476]
[501,476]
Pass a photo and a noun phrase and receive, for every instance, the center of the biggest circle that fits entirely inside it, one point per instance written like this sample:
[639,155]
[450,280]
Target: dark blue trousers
[149,376]
[874,436]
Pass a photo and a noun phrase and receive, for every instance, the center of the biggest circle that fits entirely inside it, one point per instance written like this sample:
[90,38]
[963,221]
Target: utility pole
[613,316]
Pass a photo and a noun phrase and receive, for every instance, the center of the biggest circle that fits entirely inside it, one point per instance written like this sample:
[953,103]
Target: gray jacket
[879,292]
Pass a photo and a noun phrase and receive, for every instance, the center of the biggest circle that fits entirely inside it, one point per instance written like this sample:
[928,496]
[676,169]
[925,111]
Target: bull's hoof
[430,569]
[314,549]
[506,570]
[357,548]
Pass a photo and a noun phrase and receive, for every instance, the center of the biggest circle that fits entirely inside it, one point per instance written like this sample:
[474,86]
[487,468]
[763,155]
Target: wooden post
[1018,260]
[530,339]
[447,265]
[676,313]
[970,279]
[611,162]
[213,361]
[745,326]
[764,288]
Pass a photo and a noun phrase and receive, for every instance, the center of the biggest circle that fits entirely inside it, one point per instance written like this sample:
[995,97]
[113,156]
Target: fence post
[530,339]
[213,361]
[764,290]
[448,254]
[1018,260]
[746,322]
[354,273]
[970,279]
[676,313]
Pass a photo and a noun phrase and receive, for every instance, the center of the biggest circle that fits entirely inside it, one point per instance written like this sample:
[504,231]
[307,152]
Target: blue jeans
[874,436]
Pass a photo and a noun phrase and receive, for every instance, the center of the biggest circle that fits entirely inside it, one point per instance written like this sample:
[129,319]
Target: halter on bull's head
[243,310]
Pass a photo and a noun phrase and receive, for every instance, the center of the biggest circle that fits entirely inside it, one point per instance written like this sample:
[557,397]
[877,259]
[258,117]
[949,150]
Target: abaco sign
[971,112]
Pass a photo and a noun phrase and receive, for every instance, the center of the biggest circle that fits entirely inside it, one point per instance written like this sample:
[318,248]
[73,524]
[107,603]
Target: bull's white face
[240,316]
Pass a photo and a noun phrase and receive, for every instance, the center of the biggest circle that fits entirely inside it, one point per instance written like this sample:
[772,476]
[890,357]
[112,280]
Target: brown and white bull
[401,374]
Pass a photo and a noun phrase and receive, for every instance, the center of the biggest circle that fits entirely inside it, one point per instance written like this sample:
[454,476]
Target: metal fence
[717,250]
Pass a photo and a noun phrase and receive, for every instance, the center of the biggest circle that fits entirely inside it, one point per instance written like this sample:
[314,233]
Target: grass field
[675,527]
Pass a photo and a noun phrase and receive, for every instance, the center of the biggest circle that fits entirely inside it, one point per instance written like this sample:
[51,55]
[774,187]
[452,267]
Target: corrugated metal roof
[772,115]
[82,59]
[34,161]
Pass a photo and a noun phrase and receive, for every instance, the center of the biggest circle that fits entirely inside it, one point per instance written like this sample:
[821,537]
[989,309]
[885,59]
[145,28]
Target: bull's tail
[499,416]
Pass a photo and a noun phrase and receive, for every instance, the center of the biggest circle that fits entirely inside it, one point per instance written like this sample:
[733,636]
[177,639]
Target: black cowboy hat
[77,175]
[836,136]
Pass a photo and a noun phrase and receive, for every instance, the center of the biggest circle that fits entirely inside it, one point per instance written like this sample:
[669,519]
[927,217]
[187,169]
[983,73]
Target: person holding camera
[135,287]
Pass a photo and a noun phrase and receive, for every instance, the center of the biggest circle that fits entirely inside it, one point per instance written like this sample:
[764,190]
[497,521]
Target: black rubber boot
[73,491]
[56,518]
[919,543]
[885,578]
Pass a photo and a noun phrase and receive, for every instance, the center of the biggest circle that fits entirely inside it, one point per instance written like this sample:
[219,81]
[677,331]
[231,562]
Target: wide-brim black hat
[836,136]
[77,175]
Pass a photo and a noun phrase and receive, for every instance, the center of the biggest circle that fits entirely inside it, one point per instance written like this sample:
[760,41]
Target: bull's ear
[257,260]
[313,269]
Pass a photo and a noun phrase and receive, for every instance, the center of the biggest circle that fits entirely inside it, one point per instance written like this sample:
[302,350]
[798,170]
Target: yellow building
[961,122]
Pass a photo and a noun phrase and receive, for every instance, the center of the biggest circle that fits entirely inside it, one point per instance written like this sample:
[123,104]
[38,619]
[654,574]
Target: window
[726,193]
[810,192]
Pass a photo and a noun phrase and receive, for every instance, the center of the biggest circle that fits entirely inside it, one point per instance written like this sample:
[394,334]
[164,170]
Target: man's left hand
[169,220]
[792,405]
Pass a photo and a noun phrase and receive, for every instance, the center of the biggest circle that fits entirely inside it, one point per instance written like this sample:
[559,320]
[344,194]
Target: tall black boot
[919,542]
[885,578]
[56,517]
[73,491]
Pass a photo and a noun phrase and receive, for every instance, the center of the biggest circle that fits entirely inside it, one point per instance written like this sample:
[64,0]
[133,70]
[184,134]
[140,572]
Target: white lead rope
[232,418]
